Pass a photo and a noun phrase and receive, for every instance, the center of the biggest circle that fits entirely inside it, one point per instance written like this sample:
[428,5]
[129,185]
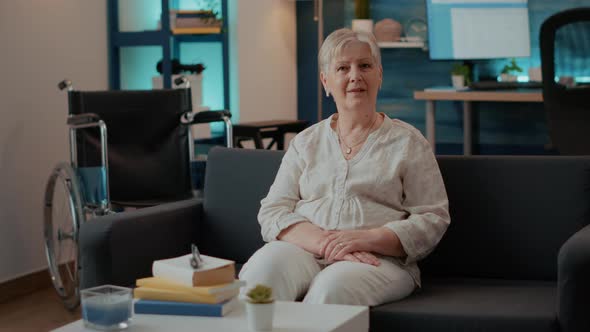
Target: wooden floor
[39,311]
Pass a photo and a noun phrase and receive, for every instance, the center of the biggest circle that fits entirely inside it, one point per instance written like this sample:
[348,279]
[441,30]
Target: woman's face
[353,78]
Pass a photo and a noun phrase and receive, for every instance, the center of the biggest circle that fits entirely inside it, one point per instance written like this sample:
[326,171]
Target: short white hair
[337,41]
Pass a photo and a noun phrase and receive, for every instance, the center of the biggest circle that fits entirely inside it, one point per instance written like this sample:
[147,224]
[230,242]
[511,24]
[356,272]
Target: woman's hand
[338,244]
[362,257]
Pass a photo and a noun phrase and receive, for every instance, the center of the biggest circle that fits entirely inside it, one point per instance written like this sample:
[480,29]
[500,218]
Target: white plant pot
[458,81]
[507,78]
[260,316]
[362,26]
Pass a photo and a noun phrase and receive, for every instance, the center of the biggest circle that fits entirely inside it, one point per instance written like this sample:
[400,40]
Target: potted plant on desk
[460,76]
[260,308]
[508,72]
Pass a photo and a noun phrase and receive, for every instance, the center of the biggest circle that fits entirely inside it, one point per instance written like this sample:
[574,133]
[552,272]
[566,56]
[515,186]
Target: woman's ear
[324,81]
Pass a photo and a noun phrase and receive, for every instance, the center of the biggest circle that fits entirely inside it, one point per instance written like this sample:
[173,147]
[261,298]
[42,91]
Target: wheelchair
[144,161]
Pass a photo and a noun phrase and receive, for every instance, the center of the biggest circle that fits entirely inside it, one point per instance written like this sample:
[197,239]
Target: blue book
[152,307]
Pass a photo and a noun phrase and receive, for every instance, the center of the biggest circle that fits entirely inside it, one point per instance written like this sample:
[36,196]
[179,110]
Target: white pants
[294,273]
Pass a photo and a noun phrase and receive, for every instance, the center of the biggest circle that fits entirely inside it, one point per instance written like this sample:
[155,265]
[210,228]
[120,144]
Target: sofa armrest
[119,248]
[573,278]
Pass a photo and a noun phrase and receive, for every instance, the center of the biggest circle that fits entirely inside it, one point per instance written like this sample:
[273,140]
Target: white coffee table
[289,316]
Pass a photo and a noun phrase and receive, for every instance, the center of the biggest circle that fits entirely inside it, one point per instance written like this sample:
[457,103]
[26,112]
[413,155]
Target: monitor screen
[478,29]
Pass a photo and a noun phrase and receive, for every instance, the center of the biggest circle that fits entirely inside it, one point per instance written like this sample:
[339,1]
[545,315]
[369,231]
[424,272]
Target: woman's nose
[355,74]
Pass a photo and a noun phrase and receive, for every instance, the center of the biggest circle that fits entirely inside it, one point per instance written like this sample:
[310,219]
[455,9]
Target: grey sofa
[515,258]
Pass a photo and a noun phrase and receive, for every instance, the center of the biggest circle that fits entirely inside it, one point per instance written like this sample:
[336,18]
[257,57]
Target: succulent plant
[260,294]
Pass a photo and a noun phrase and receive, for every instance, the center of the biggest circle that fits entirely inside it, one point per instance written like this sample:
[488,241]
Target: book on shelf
[196,30]
[212,271]
[196,22]
[162,283]
[148,293]
[184,309]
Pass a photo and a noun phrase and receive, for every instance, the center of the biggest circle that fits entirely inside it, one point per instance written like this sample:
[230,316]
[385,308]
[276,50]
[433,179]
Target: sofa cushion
[472,305]
[510,215]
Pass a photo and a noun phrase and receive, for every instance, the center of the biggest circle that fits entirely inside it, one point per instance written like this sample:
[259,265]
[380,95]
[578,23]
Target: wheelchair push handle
[82,119]
[65,84]
[206,117]
[182,80]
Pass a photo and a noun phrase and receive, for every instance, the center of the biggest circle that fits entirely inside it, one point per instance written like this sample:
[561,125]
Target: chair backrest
[565,51]
[509,215]
[149,160]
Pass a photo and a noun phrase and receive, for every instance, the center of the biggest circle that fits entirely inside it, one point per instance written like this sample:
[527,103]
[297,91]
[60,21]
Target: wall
[42,42]
[264,64]
[46,41]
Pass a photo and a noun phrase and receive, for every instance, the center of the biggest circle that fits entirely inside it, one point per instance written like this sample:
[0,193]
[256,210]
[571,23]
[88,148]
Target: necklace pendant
[348,150]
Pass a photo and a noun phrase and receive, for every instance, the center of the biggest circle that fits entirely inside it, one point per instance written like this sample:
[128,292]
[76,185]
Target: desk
[467,97]
[275,129]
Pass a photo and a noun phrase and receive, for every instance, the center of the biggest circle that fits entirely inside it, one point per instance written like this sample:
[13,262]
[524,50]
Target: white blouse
[393,181]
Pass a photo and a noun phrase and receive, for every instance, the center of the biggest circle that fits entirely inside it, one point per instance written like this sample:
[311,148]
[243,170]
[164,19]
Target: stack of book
[194,22]
[178,289]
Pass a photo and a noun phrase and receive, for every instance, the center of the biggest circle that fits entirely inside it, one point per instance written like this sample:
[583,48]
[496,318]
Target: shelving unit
[404,44]
[168,41]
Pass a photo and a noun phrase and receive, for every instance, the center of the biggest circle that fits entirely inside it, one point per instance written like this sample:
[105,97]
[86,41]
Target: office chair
[565,53]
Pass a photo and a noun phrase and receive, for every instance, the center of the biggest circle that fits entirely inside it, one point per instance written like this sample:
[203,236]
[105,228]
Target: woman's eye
[341,68]
[366,65]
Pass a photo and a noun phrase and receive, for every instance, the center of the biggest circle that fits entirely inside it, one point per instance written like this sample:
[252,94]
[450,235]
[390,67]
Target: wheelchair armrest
[207,116]
[80,119]
[573,286]
[120,248]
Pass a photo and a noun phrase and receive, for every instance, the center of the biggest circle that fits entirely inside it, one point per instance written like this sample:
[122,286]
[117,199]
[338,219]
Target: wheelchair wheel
[63,213]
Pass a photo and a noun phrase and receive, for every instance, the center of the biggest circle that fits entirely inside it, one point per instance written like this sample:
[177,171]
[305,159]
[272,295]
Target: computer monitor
[478,29]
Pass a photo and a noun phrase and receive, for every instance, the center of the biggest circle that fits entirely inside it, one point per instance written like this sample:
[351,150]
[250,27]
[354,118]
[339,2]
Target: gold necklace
[364,136]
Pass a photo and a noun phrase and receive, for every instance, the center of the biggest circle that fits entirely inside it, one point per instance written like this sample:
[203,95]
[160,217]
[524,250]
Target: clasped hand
[348,245]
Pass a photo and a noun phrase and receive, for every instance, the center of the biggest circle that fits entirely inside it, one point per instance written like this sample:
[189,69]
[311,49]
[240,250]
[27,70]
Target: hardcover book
[184,309]
[212,271]
[147,293]
[163,283]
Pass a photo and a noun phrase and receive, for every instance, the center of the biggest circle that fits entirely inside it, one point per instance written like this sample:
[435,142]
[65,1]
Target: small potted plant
[260,308]
[460,76]
[508,71]
[362,21]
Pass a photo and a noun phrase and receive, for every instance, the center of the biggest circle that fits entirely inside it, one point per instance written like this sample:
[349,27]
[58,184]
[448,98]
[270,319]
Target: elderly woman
[358,198]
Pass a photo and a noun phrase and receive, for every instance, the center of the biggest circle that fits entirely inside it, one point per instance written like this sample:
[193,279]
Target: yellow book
[147,293]
[163,283]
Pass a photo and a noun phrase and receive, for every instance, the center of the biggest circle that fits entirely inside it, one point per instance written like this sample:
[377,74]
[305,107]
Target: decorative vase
[458,81]
[260,316]
[388,30]
[363,25]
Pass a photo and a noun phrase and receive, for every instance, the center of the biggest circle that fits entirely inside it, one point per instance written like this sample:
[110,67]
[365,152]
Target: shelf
[196,31]
[167,39]
[214,37]
[401,44]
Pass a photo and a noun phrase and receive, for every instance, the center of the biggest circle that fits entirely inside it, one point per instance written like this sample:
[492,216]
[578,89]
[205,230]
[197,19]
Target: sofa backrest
[236,180]
[509,215]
